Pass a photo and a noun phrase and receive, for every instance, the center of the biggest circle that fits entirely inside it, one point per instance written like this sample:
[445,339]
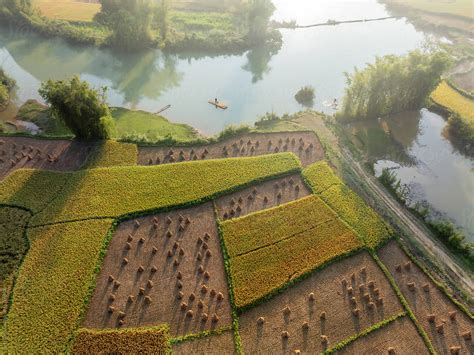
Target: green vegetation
[112,192]
[110,153]
[145,126]
[347,204]
[461,107]
[13,247]
[148,340]
[6,85]
[392,84]
[461,8]
[40,115]
[53,285]
[270,248]
[305,96]
[82,109]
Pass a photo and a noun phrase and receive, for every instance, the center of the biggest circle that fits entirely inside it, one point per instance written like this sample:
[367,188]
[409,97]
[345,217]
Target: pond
[251,84]
[414,146]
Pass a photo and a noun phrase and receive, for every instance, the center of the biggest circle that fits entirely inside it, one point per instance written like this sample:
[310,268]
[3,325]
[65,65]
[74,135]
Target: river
[261,81]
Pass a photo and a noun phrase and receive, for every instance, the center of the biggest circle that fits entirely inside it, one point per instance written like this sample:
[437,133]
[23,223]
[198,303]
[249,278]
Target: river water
[263,81]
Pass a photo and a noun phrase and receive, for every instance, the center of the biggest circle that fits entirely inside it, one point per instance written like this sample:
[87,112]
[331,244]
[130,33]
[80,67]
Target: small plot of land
[163,269]
[330,306]
[20,152]
[268,249]
[152,340]
[266,195]
[215,344]
[447,326]
[400,336]
[304,144]
[446,96]
[70,10]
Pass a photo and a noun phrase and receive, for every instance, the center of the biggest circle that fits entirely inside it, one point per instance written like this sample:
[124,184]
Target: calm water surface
[251,84]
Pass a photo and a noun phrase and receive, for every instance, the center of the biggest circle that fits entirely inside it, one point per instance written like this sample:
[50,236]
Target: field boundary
[404,303]
[367,331]
[200,335]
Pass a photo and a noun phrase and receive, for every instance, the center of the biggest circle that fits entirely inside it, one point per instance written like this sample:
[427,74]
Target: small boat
[220,105]
[163,109]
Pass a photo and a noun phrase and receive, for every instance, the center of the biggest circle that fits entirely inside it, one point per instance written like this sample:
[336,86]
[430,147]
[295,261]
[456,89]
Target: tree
[15,6]
[305,96]
[259,13]
[129,20]
[82,109]
[393,84]
[162,18]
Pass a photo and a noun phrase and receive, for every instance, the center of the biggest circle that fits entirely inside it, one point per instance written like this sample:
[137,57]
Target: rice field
[446,96]
[69,10]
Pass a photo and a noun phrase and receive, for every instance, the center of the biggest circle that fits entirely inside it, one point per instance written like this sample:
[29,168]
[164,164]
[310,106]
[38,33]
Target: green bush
[305,96]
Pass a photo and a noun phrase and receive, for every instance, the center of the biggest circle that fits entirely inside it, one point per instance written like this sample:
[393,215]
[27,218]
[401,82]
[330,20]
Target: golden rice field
[70,10]
[463,8]
[446,96]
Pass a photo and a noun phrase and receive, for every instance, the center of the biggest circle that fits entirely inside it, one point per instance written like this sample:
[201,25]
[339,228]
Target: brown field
[427,301]
[23,152]
[400,335]
[181,282]
[215,344]
[266,195]
[320,306]
[304,144]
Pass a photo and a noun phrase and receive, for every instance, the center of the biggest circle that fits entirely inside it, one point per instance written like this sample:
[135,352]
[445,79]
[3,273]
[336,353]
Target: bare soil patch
[401,336]
[161,269]
[319,312]
[215,344]
[305,145]
[25,152]
[259,197]
[447,326]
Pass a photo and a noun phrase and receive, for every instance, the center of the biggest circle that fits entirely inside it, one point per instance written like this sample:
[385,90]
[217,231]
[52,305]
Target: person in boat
[335,103]
[216,101]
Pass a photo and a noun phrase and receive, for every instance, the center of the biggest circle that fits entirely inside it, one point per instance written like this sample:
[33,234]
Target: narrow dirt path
[436,252]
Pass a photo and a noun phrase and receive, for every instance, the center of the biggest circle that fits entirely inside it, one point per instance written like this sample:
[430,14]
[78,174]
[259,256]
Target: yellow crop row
[347,204]
[111,153]
[301,236]
[52,285]
[446,96]
[151,340]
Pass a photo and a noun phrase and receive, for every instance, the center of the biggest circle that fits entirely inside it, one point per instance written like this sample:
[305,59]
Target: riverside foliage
[392,84]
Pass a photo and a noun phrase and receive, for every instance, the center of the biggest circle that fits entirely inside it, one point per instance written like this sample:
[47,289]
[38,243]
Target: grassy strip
[148,340]
[53,282]
[438,284]
[204,334]
[111,153]
[347,204]
[130,191]
[367,331]
[282,243]
[230,282]
[404,302]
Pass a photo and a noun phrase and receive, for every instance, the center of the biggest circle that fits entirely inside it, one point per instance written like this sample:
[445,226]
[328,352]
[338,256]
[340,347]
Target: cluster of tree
[131,21]
[453,238]
[82,108]
[11,7]
[6,85]
[259,13]
[393,84]
[463,129]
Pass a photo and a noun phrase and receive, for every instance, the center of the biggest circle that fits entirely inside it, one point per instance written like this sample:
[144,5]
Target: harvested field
[400,335]
[24,152]
[320,308]
[166,268]
[304,144]
[214,344]
[446,325]
[266,195]
[153,340]
[268,249]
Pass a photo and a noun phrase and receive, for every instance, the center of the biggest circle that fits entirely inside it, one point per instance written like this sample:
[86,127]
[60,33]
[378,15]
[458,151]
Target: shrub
[270,248]
[305,96]
[55,279]
[80,107]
